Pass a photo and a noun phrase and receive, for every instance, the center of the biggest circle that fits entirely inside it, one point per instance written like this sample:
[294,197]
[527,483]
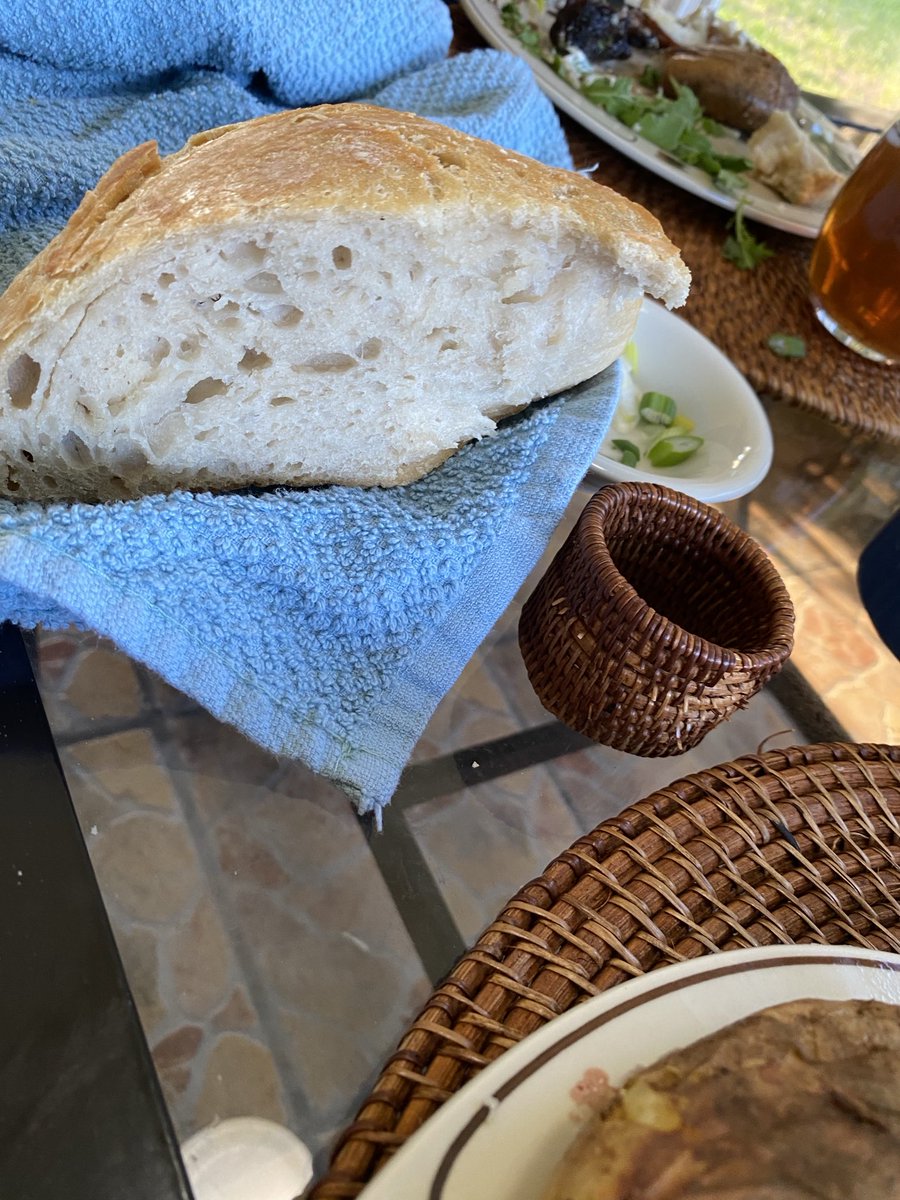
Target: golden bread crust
[342,157]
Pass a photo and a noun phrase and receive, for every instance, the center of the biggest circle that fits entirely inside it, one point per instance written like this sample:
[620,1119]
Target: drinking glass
[855,271]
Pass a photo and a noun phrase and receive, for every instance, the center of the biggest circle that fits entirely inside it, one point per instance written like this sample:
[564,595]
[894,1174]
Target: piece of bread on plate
[341,294]
[786,158]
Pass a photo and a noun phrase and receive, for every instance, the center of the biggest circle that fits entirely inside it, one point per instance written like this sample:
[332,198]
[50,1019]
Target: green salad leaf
[677,125]
[528,34]
[741,247]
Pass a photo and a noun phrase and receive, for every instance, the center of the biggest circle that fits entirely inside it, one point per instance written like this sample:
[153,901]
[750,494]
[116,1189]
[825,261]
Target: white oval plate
[674,358]
[500,1136]
[761,202]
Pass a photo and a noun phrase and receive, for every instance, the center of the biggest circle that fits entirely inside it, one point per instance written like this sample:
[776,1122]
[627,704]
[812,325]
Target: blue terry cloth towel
[324,623]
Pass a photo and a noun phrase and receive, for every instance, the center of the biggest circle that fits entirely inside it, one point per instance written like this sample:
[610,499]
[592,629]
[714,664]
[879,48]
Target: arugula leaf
[663,129]
[528,34]
[713,128]
[731,182]
[787,345]
[676,126]
[685,102]
[741,247]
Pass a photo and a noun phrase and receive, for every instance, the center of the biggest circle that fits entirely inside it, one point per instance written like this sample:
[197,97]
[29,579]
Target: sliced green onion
[629,451]
[630,354]
[671,450]
[788,345]
[657,409]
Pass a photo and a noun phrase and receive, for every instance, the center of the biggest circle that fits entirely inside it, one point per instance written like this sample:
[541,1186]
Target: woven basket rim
[788,846]
[591,533]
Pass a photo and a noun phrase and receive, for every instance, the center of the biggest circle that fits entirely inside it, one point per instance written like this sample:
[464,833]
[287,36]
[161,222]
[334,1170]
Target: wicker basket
[790,846]
[657,619]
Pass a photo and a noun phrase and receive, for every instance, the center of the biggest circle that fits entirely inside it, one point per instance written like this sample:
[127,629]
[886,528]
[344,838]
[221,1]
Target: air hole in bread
[149,299]
[285,316]
[118,487]
[229,309]
[265,282]
[129,455]
[74,450]
[278,401]
[188,349]
[120,351]
[48,481]
[370,349]
[27,455]
[12,484]
[204,434]
[525,296]
[244,256]
[23,377]
[254,360]
[205,389]
[342,257]
[158,351]
[448,344]
[334,363]
[166,279]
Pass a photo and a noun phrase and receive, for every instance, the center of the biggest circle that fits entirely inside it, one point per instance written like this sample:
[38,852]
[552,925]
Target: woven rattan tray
[738,310]
[798,845]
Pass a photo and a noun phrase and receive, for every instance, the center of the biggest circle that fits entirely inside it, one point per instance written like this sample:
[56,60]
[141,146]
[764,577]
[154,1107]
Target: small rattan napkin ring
[657,619]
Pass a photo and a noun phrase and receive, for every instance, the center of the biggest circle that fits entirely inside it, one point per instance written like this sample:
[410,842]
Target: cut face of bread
[338,295]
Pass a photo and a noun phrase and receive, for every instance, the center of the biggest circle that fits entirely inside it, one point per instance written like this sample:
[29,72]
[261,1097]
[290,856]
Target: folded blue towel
[324,623]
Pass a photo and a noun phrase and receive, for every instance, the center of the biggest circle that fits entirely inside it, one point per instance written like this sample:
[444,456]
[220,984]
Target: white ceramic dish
[761,202]
[500,1136]
[674,358]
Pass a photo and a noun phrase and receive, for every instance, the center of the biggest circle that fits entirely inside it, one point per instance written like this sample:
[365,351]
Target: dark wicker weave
[799,845]
[656,620]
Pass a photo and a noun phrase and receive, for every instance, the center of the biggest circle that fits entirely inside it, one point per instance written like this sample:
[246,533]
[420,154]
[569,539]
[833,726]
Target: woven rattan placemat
[797,845]
[738,310]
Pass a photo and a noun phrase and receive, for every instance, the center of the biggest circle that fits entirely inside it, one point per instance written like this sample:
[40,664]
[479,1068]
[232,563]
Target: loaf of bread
[341,294]
[797,1101]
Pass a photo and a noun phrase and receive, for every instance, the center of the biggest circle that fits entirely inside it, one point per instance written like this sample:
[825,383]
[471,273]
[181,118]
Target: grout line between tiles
[300,1113]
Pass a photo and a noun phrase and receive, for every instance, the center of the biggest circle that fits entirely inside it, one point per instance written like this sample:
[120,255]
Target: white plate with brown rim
[500,1136]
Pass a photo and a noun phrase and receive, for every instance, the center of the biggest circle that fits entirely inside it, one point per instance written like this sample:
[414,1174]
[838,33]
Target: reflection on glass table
[276,946]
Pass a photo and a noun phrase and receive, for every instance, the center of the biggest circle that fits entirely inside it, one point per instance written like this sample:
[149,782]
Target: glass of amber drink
[855,271]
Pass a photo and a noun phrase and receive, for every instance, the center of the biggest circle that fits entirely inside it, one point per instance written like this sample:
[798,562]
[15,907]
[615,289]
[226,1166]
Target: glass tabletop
[277,946]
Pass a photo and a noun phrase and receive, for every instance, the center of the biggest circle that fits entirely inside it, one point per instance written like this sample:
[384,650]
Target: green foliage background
[844,48]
